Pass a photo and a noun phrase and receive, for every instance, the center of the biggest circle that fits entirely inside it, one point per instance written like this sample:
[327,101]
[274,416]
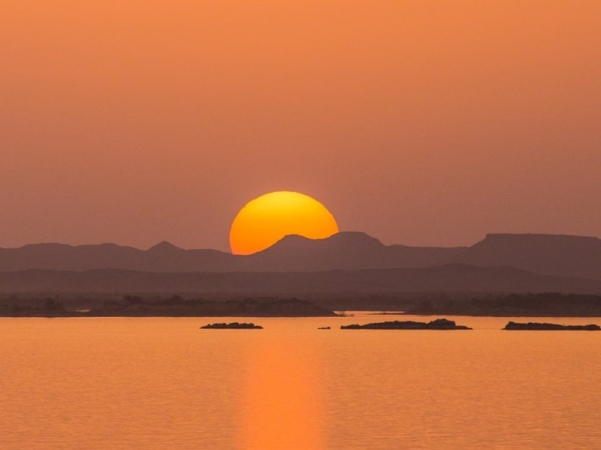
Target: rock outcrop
[232,326]
[536,326]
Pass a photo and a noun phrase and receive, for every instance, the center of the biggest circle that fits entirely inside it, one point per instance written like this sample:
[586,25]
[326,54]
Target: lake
[162,383]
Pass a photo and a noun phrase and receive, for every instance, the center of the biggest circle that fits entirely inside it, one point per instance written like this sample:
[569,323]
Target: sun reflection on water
[282,398]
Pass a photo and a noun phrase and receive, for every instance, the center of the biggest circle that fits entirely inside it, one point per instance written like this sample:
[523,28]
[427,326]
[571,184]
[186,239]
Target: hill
[552,255]
[447,278]
[347,250]
[558,255]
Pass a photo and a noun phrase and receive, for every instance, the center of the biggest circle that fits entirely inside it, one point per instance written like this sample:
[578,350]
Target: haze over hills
[545,254]
[345,262]
[451,278]
[576,256]
[163,257]
[346,250]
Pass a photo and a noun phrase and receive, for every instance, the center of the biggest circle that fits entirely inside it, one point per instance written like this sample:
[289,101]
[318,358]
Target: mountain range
[344,251]
[345,262]
[451,278]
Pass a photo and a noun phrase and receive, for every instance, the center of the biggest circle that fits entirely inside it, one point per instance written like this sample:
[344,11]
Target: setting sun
[267,219]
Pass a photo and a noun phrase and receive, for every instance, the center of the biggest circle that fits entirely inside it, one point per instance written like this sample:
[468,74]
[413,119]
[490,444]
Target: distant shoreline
[175,306]
[81,315]
[194,305]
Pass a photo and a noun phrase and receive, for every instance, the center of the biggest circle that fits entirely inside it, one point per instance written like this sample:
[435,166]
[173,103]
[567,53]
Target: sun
[268,218]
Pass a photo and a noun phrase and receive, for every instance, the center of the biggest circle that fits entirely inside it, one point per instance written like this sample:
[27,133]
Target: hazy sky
[419,122]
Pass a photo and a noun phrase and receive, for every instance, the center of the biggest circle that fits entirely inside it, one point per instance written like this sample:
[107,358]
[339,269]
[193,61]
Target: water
[124,383]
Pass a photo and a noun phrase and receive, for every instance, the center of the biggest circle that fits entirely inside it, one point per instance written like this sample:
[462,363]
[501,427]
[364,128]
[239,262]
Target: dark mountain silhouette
[447,278]
[560,255]
[553,255]
[66,257]
[163,257]
[347,250]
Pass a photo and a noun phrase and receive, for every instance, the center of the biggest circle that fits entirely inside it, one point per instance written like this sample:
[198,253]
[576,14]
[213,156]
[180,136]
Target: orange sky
[419,122]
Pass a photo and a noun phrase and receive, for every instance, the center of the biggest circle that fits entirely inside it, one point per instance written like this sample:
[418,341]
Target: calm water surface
[164,384]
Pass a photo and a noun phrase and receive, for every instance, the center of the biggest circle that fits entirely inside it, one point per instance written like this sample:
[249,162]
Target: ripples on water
[163,383]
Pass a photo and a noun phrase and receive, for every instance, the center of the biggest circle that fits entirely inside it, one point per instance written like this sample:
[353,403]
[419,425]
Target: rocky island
[438,324]
[536,326]
[232,326]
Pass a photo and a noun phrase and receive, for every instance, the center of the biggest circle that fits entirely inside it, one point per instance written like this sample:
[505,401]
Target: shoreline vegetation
[513,305]
[551,304]
[175,306]
[317,305]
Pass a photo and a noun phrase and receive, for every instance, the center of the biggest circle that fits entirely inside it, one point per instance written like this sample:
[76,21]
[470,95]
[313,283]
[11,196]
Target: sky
[419,122]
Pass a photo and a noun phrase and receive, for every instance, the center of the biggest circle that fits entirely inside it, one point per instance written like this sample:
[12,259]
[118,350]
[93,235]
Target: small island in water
[232,326]
[438,324]
[536,326]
